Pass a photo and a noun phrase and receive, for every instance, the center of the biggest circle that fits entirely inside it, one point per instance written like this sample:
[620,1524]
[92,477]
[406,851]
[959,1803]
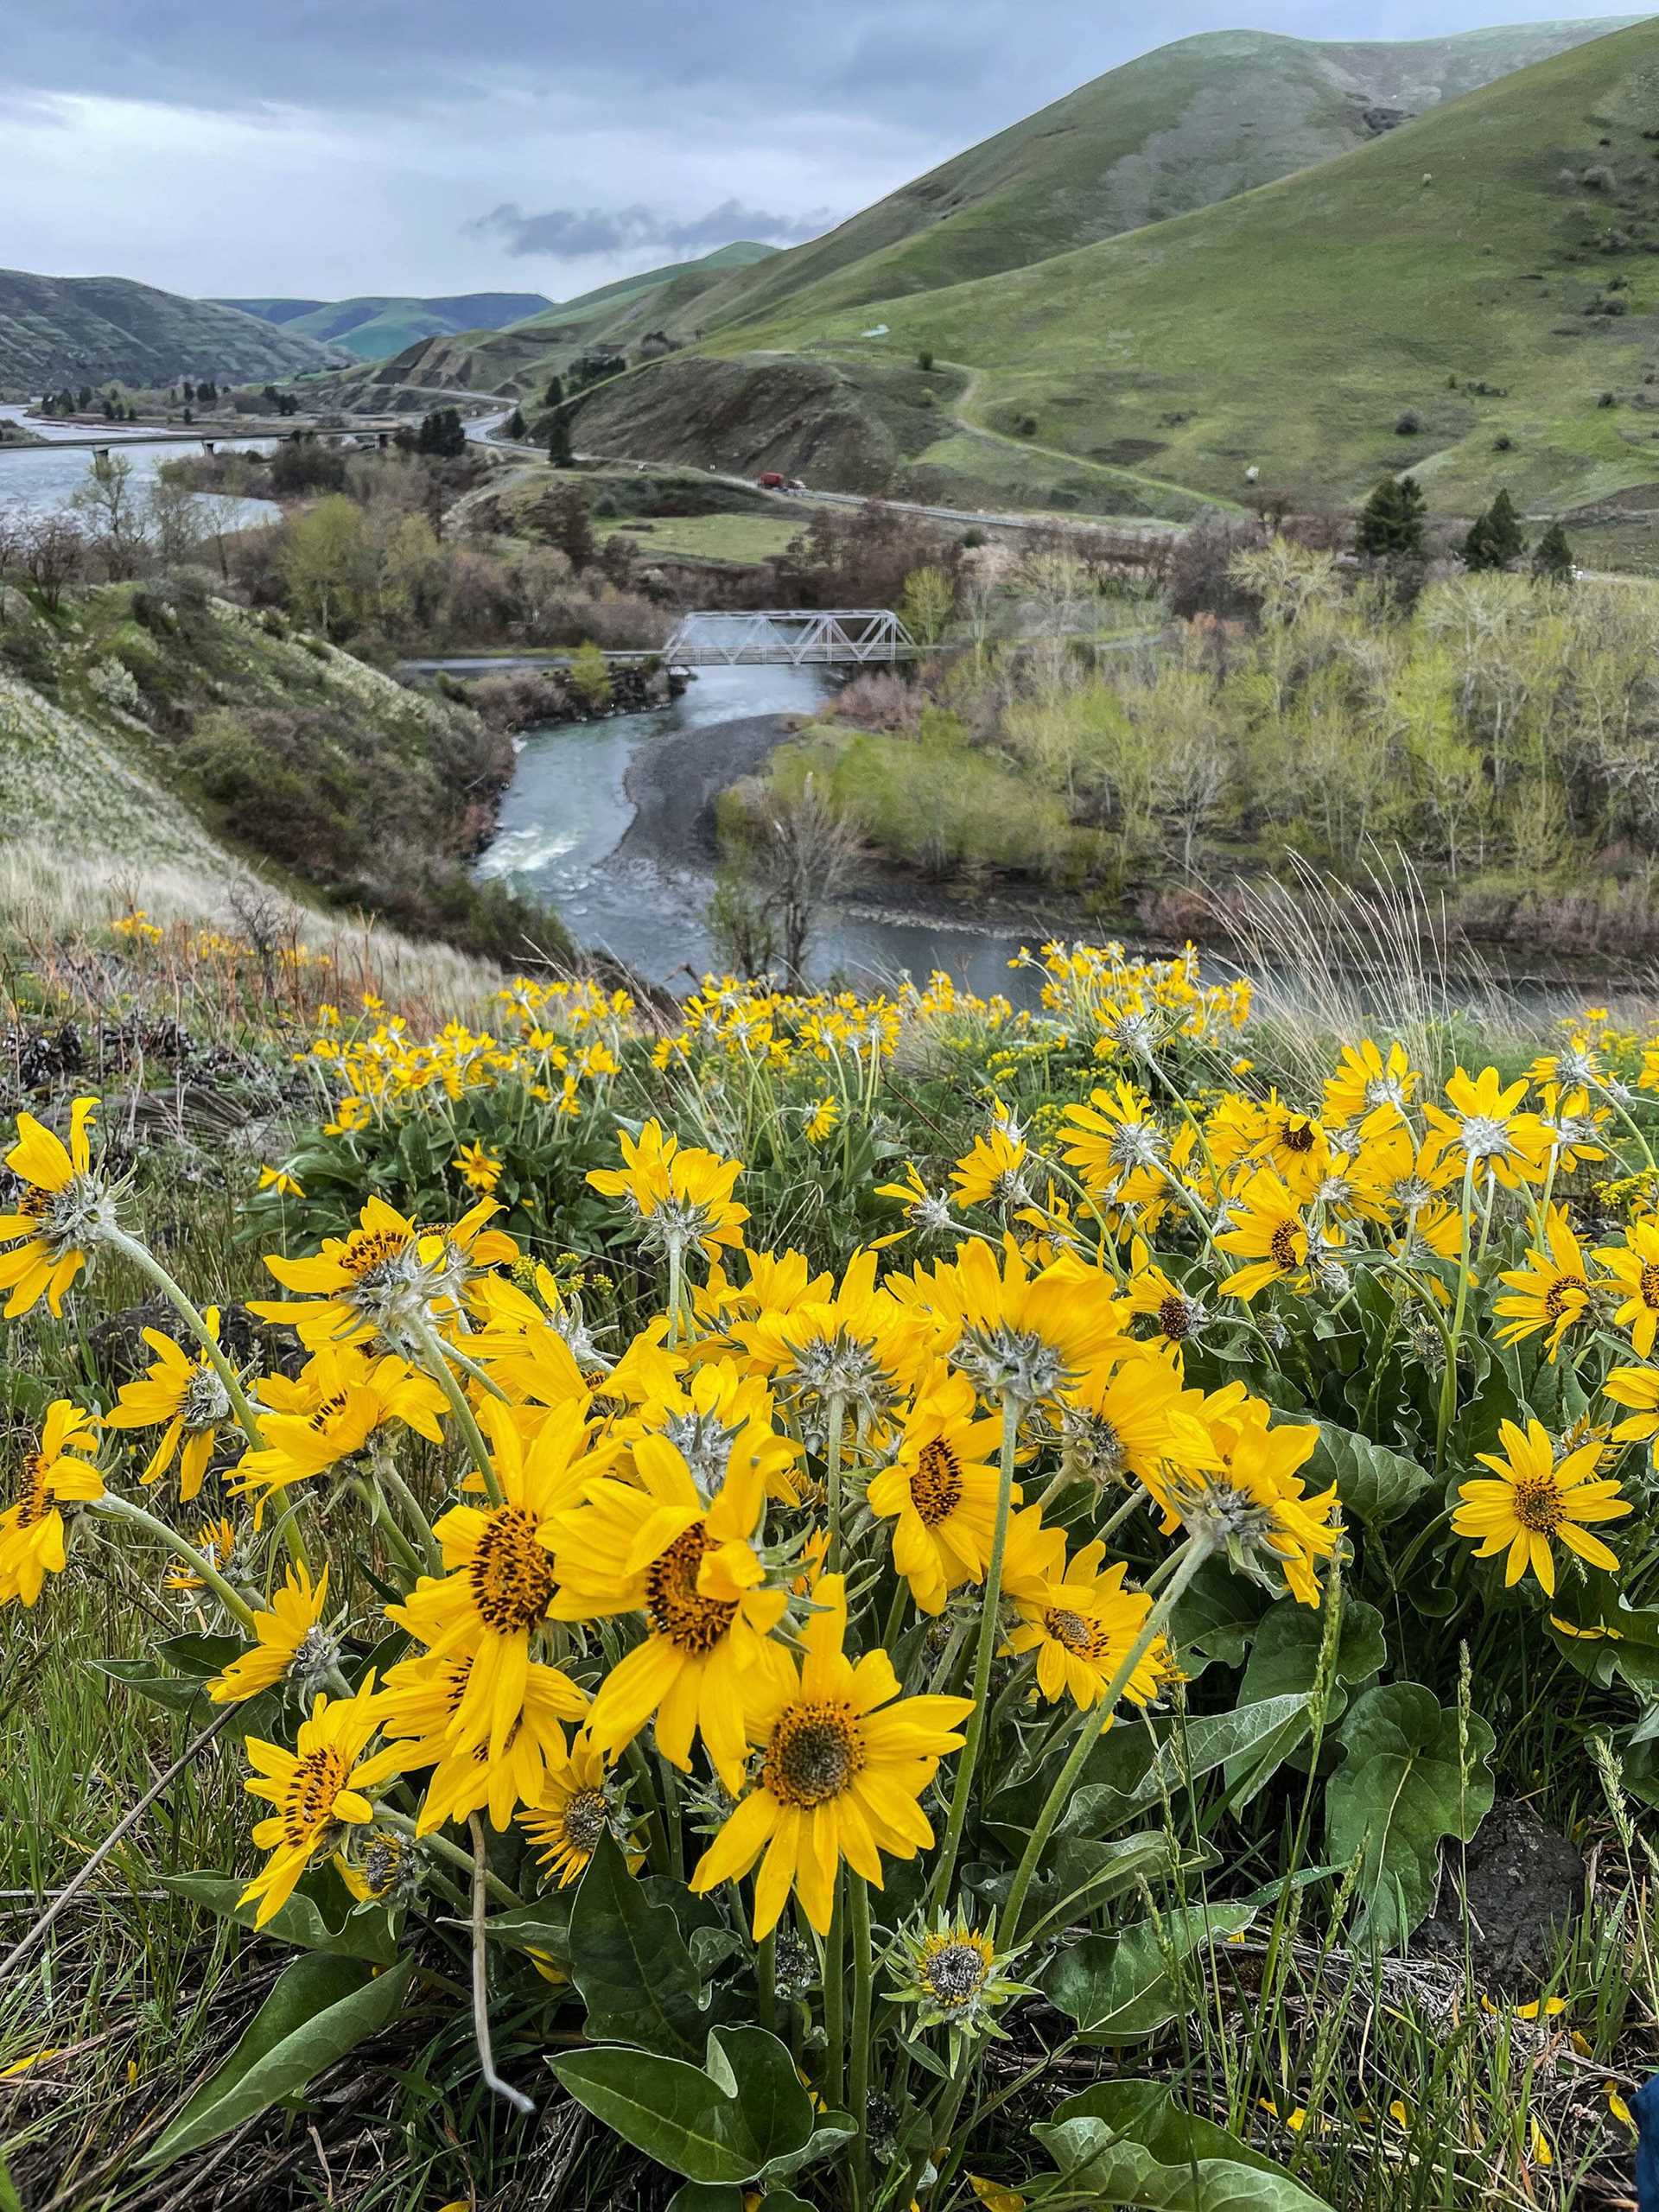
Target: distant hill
[1193,123]
[377,325]
[57,330]
[1456,297]
[1456,294]
[517,361]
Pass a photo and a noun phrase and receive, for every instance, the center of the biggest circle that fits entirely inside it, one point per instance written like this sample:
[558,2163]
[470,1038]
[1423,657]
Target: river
[568,811]
[35,480]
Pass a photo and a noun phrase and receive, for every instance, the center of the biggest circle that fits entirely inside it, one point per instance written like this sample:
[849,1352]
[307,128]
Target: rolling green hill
[57,330]
[1192,123]
[1472,294]
[375,326]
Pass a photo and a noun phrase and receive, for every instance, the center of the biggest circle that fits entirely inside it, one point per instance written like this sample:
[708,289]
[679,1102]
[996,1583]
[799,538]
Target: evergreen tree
[442,434]
[514,425]
[1552,557]
[84,398]
[555,395]
[1390,526]
[1495,539]
[560,451]
[189,389]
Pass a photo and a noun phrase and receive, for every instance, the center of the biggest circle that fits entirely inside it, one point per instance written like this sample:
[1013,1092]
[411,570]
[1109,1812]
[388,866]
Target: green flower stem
[447,1380]
[766,1979]
[147,1264]
[676,1269]
[481,1376]
[1449,1381]
[858,1902]
[382,1518]
[1190,1558]
[1629,1120]
[984,1648]
[832,1477]
[124,1508]
[834,2002]
[420,1528]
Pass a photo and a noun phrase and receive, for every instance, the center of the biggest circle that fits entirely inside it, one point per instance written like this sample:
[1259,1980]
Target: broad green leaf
[176,1693]
[1117,1987]
[1076,1865]
[201,1655]
[1181,1756]
[1129,2144]
[1376,1485]
[627,1957]
[541,1925]
[328,1923]
[1285,1659]
[1217,1616]
[726,2123]
[706,2197]
[319,2009]
[1399,1790]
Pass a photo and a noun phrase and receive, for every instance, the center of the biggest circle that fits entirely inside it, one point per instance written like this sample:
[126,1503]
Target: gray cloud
[583,233]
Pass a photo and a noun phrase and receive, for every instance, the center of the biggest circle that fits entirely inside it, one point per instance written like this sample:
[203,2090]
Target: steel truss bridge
[790,639]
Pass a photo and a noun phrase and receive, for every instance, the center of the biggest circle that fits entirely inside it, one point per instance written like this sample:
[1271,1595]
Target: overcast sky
[326,147]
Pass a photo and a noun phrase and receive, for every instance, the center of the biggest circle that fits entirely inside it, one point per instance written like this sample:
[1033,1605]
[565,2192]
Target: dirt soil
[1525,1884]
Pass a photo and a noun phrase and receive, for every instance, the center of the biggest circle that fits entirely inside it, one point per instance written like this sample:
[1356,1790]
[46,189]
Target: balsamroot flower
[291,1645]
[420,1707]
[63,1216]
[55,1475]
[183,1394]
[580,1803]
[655,1546]
[387,1279]
[941,1490]
[318,1791]
[1082,1624]
[1533,1501]
[1550,1293]
[498,1593]
[845,1762]
[682,1195]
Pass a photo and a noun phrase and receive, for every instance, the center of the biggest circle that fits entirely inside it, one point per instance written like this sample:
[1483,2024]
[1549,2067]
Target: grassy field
[709,537]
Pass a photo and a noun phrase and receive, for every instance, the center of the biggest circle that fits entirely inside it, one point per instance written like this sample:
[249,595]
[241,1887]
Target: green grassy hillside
[1482,274]
[57,330]
[375,326]
[1190,123]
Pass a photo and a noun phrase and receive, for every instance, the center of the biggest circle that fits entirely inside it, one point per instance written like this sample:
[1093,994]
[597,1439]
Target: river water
[568,810]
[35,480]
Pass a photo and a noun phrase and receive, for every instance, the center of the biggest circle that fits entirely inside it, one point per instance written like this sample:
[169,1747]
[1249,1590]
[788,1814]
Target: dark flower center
[512,1576]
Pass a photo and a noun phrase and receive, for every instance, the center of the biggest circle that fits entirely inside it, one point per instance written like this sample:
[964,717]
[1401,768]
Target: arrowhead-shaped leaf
[629,1960]
[1376,1485]
[724,2124]
[1129,2144]
[1400,1788]
[1117,1987]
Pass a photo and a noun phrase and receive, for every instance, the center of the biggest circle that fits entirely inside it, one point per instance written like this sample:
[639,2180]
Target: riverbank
[675,782]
